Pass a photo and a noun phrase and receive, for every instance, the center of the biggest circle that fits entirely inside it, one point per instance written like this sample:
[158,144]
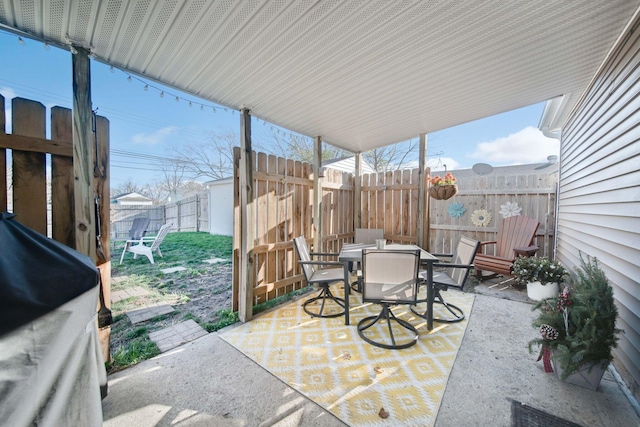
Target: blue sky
[142,122]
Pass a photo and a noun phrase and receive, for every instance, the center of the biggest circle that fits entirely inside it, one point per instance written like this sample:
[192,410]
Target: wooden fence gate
[41,179]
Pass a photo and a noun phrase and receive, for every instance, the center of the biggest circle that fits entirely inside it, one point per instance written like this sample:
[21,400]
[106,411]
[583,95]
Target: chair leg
[387,314]
[357,285]
[126,246]
[458,314]
[324,295]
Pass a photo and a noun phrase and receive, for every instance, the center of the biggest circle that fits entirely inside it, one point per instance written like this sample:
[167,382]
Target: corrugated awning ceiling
[359,73]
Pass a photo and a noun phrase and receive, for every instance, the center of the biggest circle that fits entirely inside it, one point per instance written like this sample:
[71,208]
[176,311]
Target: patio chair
[366,236]
[390,277]
[321,277]
[136,232]
[515,237]
[453,273]
[139,247]
[138,228]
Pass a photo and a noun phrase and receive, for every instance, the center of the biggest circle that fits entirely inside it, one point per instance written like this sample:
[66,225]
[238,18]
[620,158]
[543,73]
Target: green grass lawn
[201,293]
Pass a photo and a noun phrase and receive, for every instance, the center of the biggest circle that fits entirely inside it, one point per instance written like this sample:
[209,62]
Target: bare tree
[173,176]
[296,147]
[155,192]
[391,157]
[127,187]
[212,158]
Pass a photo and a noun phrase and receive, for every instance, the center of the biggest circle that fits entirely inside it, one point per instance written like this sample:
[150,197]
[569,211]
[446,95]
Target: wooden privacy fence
[535,194]
[284,209]
[29,156]
[283,192]
[188,214]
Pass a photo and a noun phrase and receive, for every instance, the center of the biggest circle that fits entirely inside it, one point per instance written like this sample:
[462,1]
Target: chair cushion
[390,293]
[327,275]
[440,278]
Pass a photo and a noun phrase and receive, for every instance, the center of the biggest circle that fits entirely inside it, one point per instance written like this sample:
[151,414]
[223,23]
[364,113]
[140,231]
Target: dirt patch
[202,294]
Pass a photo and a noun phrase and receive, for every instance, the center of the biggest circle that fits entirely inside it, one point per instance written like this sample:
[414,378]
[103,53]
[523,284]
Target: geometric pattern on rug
[330,364]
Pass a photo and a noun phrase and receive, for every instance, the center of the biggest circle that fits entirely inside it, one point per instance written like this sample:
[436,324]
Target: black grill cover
[37,274]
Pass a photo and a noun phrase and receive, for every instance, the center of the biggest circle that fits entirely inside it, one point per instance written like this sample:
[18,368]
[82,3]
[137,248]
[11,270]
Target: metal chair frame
[406,281]
[320,277]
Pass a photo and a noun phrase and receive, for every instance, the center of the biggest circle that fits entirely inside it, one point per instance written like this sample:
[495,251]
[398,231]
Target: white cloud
[153,138]
[526,146]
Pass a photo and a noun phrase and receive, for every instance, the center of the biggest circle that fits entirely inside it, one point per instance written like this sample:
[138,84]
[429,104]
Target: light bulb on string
[146,88]
[201,107]
[177,99]
[129,79]
[190,104]
[111,69]
[46,46]
[214,109]
[21,41]
[162,94]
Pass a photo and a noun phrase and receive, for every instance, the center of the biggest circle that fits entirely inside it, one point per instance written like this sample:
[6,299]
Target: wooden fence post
[247,228]
[357,193]
[422,225]
[317,194]
[84,155]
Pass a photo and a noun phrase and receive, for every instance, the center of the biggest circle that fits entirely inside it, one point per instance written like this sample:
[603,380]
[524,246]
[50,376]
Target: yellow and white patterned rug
[330,364]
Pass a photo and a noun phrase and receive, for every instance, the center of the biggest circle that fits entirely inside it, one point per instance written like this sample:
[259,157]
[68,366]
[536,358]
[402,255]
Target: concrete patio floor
[207,382]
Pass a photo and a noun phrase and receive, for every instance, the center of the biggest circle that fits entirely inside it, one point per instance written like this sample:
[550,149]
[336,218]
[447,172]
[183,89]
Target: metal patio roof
[359,73]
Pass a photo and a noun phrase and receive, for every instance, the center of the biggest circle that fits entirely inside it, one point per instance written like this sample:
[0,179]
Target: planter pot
[443,192]
[587,376]
[537,291]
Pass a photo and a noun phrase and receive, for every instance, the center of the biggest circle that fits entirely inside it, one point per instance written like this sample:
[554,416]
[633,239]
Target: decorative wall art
[510,209]
[456,210]
[481,218]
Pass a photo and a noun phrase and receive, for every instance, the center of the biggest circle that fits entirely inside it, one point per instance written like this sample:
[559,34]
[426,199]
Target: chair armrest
[526,252]
[321,263]
[443,255]
[447,265]
[487,243]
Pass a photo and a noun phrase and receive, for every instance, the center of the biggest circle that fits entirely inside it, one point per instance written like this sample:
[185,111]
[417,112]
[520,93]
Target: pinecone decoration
[548,332]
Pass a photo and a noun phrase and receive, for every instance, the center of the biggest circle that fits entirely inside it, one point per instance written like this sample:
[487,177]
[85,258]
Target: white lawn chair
[139,247]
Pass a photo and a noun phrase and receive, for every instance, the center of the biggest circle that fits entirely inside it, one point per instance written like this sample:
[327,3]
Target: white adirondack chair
[146,245]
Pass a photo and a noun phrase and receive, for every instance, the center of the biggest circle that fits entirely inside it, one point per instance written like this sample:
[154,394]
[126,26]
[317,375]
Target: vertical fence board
[3,161]
[29,173]
[62,199]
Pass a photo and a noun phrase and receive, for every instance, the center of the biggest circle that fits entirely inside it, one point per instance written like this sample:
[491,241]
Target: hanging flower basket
[443,188]
[443,192]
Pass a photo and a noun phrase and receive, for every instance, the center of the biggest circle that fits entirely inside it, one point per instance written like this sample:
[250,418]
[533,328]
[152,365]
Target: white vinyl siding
[599,198]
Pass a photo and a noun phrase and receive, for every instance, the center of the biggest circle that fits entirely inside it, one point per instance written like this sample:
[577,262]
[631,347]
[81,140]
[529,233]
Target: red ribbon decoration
[545,355]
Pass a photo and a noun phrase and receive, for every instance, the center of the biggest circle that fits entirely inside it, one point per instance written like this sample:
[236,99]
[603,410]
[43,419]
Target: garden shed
[362,75]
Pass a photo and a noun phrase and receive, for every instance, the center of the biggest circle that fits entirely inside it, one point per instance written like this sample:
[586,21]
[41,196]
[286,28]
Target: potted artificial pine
[578,327]
[542,276]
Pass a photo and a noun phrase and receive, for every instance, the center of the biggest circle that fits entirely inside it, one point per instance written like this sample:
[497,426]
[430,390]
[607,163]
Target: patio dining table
[352,252]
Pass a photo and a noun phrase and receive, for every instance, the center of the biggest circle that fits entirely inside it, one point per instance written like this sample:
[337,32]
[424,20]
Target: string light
[177,98]
[20,41]
[46,46]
